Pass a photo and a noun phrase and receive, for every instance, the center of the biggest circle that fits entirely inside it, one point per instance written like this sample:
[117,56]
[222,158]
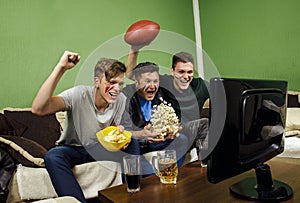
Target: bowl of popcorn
[112,139]
[164,120]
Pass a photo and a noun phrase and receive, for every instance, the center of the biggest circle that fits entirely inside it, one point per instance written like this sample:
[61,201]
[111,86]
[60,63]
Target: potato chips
[115,136]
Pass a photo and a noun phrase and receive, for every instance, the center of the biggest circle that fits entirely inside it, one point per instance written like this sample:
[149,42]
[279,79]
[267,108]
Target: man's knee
[54,157]
[182,139]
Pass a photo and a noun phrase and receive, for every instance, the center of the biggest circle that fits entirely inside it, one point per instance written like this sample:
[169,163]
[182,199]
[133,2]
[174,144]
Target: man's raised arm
[131,61]
[44,102]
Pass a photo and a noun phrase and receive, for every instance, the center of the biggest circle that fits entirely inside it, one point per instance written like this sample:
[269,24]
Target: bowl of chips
[112,139]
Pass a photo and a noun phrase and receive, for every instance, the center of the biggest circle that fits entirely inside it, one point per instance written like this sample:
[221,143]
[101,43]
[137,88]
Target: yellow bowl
[112,146]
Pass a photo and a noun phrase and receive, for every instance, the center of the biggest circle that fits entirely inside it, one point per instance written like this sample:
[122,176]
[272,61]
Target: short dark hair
[182,57]
[146,67]
[110,67]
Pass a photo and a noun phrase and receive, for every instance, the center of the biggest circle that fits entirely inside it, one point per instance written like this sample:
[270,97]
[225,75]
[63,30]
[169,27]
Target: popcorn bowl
[113,146]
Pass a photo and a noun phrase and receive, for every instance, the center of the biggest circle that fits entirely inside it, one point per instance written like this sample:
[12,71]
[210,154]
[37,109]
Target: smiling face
[107,92]
[147,85]
[183,75]
[108,81]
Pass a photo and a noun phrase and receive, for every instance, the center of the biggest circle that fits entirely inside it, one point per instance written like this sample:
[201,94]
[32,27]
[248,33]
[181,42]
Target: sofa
[293,114]
[292,127]
[27,138]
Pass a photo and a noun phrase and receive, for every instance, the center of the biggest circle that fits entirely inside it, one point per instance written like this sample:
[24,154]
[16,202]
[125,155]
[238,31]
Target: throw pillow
[44,130]
[24,151]
[292,121]
[293,100]
[7,129]
[205,113]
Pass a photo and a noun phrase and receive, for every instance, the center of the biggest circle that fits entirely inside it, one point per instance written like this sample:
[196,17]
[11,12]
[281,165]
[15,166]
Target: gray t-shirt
[83,119]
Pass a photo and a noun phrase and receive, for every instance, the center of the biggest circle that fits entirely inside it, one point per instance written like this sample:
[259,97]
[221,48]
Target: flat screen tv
[247,121]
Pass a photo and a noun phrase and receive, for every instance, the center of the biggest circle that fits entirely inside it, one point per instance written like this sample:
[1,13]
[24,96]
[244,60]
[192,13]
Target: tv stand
[262,187]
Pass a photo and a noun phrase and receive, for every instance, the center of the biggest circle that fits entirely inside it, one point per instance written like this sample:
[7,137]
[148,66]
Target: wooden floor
[288,160]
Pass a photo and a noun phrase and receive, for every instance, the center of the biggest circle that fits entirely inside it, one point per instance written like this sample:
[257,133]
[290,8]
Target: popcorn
[163,119]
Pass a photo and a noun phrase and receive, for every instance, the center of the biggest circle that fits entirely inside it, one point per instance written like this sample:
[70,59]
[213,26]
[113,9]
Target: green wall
[244,38]
[34,34]
[253,38]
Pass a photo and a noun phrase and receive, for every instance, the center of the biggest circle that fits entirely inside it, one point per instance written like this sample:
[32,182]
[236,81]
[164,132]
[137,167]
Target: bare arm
[131,61]
[44,102]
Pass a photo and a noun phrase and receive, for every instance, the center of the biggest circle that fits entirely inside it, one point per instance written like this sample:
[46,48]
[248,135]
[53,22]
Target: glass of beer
[165,166]
[132,171]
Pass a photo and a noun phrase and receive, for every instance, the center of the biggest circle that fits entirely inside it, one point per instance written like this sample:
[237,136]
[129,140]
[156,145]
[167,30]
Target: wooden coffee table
[193,186]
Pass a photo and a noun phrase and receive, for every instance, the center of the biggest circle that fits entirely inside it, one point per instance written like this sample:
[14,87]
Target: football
[141,32]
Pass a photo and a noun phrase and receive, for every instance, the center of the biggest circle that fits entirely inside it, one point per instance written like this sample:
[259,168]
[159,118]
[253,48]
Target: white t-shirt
[83,119]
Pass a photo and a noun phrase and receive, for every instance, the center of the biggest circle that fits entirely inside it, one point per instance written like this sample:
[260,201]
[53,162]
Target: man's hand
[174,135]
[45,102]
[125,146]
[121,129]
[68,60]
[131,61]
[150,136]
[136,48]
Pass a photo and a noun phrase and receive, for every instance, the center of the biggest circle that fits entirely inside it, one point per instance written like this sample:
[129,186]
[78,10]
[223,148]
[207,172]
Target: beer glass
[165,166]
[132,172]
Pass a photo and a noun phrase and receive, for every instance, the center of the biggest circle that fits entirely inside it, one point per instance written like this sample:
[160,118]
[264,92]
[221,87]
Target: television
[247,121]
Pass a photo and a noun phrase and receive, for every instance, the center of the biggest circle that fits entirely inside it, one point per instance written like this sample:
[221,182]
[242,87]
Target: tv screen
[247,121]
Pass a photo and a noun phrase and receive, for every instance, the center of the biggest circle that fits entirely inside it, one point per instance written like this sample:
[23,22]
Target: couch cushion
[7,129]
[28,137]
[205,113]
[44,130]
[64,199]
[24,151]
[292,126]
[293,100]
[92,177]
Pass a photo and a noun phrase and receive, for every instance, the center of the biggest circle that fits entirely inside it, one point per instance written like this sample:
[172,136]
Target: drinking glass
[165,166]
[132,171]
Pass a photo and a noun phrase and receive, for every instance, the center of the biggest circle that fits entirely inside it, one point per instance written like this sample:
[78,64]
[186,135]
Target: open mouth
[184,82]
[150,93]
[113,95]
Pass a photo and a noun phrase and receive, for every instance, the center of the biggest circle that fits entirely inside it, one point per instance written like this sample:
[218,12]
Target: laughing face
[106,92]
[183,75]
[147,85]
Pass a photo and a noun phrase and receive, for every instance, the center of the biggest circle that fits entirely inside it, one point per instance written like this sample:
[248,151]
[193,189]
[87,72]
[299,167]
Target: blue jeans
[179,144]
[60,160]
